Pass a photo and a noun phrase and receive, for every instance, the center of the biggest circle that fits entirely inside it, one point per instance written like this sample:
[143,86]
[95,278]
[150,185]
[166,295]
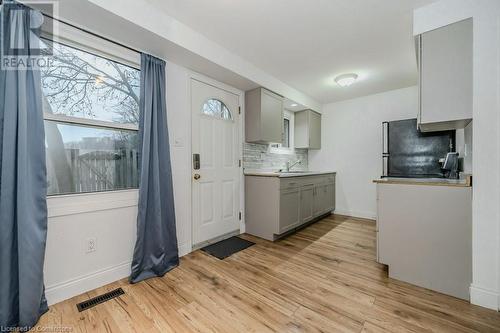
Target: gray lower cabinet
[324,198]
[330,197]
[289,209]
[424,235]
[306,203]
[319,199]
[274,205]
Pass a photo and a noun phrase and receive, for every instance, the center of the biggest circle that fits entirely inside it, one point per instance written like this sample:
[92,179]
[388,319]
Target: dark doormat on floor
[227,247]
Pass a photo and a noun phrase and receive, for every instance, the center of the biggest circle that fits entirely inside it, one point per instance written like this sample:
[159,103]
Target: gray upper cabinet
[445,77]
[263,116]
[308,129]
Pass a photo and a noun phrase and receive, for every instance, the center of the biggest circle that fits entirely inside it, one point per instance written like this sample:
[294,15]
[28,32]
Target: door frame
[241,127]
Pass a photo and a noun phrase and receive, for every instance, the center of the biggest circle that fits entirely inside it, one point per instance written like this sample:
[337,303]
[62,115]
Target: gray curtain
[23,185]
[156,250]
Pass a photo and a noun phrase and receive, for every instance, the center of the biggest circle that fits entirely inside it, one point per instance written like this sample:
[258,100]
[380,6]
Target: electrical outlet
[91,245]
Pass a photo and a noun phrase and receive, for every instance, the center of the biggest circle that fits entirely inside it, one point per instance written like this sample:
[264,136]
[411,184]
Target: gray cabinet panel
[289,209]
[263,116]
[301,130]
[307,129]
[445,60]
[271,117]
[314,130]
[324,198]
[306,203]
[330,197]
[319,200]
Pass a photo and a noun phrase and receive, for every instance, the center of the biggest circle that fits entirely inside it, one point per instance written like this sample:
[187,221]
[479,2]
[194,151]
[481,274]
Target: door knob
[196,176]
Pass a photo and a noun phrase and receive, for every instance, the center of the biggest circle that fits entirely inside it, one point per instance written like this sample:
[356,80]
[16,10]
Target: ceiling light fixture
[345,80]
[294,105]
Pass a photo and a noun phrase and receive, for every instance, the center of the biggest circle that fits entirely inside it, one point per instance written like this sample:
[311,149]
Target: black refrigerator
[409,153]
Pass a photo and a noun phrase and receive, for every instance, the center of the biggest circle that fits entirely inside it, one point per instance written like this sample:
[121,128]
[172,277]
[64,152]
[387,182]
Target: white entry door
[216,180]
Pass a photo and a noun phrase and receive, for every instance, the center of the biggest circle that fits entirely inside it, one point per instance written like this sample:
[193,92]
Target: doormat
[227,247]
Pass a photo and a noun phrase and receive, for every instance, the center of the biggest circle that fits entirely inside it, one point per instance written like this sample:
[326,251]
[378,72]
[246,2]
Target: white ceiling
[306,43]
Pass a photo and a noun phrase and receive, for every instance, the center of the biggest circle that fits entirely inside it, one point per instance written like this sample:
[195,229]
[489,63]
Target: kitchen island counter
[466,181]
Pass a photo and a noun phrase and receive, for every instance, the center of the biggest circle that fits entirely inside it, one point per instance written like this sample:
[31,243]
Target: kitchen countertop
[286,174]
[463,182]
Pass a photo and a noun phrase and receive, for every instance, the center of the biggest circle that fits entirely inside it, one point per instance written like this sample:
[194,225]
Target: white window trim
[81,40]
[79,203]
[291,139]
[88,122]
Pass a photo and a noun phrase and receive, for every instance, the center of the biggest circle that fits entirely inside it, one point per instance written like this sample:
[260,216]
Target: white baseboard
[65,290]
[184,249]
[485,298]
[74,287]
[353,213]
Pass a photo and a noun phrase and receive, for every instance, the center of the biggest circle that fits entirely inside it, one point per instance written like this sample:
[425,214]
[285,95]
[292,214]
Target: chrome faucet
[289,166]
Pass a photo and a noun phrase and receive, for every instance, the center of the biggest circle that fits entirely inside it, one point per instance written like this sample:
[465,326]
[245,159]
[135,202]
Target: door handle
[196,176]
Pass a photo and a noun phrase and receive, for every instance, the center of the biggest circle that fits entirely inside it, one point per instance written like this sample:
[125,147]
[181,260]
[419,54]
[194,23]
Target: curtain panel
[23,184]
[156,250]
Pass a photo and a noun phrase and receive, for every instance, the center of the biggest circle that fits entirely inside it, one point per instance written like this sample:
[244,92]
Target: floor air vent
[99,299]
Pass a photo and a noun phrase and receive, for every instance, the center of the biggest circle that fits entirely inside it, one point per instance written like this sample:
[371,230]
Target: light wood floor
[321,279]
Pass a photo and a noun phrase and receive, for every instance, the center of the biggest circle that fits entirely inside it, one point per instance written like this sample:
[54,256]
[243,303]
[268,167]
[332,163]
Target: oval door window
[216,108]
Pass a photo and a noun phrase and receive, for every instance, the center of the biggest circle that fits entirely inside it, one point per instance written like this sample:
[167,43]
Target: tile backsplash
[265,157]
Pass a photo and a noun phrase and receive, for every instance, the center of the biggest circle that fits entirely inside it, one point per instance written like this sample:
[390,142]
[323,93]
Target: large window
[91,108]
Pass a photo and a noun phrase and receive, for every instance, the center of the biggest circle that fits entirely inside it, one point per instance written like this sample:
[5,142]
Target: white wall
[352,145]
[111,217]
[485,288]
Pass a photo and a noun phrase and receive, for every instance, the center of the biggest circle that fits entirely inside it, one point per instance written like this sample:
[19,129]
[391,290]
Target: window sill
[80,203]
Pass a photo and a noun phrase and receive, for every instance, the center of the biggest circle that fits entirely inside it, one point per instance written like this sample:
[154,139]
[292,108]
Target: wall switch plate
[91,245]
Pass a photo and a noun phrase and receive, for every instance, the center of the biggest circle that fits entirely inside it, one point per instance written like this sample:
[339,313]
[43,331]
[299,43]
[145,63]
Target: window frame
[278,147]
[286,134]
[124,59]
[85,42]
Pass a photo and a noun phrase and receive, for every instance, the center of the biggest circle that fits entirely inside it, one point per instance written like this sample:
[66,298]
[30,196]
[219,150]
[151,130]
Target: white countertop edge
[285,174]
